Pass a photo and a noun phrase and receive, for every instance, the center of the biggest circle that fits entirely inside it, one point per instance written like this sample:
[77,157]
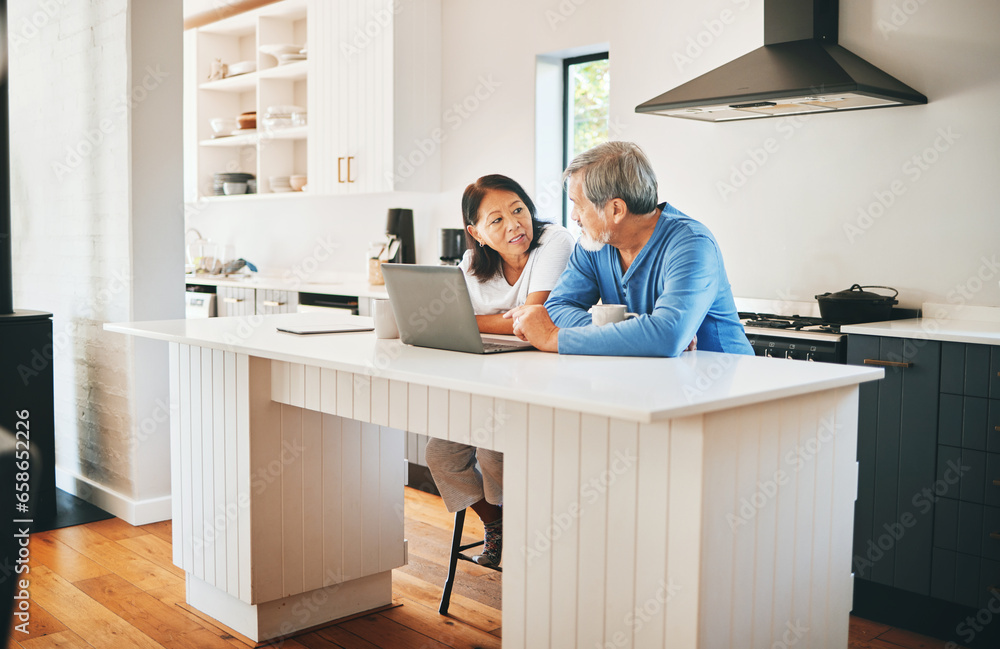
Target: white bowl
[240,67]
[231,189]
[276,50]
[223,125]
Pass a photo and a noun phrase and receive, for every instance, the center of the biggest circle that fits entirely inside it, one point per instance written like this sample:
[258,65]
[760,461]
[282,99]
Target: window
[587,91]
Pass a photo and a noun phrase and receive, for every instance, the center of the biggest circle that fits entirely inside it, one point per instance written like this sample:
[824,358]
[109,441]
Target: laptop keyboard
[492,347]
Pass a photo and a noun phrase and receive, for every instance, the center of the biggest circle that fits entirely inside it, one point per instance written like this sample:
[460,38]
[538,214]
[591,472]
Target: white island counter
[703,501]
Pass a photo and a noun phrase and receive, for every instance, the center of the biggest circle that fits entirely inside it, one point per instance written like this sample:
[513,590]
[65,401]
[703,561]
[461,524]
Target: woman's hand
[533,324]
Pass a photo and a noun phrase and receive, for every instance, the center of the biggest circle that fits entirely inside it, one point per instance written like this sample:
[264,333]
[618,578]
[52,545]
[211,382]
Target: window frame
[566,130]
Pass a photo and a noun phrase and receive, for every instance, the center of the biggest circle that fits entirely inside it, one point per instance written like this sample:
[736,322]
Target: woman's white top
[545,264]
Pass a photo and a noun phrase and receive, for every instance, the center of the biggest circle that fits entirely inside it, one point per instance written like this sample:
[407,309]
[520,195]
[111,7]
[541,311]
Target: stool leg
[456,543]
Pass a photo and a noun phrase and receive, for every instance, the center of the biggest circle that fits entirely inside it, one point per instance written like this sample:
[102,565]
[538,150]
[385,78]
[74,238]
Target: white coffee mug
[385,322]
[610,313]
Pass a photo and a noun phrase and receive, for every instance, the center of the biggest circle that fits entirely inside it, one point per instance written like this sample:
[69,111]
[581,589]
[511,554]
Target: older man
[660,263]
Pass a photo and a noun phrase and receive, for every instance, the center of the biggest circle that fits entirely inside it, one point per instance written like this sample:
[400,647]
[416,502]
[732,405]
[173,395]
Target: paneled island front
[703,501]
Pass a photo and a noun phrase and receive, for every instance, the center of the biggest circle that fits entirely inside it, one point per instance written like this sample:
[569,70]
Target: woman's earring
[480,244]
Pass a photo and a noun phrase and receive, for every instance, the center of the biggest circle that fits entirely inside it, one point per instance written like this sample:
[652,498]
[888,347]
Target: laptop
[432,308]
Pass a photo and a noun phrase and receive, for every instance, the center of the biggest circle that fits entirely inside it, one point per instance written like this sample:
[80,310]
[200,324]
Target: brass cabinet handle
[995,536]
[340,174]
[232,300]
[881,363]
[996,483]
[272,303]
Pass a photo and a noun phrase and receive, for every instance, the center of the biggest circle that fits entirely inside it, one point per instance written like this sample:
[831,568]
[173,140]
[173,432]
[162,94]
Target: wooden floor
[108,584]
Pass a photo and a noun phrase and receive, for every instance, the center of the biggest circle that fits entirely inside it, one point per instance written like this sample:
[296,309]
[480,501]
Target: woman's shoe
[492,545]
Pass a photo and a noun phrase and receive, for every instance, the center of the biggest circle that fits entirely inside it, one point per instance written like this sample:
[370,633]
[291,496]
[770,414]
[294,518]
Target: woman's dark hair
[486,262]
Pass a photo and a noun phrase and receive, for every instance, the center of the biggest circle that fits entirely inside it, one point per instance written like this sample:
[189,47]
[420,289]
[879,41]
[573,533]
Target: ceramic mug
[609,314]
[385,322]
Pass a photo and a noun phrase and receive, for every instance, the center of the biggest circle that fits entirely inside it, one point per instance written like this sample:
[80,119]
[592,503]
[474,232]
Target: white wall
[783,230]
[97,229]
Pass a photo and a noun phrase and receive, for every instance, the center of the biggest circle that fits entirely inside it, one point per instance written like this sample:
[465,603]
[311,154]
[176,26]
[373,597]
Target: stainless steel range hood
[800,69]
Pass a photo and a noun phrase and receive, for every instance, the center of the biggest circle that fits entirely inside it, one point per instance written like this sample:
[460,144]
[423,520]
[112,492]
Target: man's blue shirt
[677,284]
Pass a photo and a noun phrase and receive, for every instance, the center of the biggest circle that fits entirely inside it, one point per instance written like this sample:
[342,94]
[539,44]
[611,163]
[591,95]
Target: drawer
[270,301]
[966,369]
[964,421]
[992,480]
[991,534]
[993,427]
[961,474]
[235,301]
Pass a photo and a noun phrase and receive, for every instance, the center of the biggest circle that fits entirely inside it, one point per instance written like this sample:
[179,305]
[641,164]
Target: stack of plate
[280,184]
[221,178]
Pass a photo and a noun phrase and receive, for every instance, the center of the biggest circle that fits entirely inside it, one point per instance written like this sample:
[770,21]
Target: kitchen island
[703,501]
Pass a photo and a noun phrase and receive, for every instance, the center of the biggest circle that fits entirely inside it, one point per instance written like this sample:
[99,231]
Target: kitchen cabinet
[968,475]
[264,153]
[244,301]
[897,445]
[375,96]
[371,87]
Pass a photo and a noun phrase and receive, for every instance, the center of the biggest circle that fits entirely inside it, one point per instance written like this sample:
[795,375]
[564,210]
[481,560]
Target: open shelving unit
[266,153]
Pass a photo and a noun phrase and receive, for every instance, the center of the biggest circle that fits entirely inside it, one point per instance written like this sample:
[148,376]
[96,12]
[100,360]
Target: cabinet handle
[232,300]
[996,483]
[995,536]
[340,174]
[272,303]
[881,363]
[996,428]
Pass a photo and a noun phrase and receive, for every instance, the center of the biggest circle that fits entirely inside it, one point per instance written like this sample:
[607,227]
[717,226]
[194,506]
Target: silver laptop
[432,308]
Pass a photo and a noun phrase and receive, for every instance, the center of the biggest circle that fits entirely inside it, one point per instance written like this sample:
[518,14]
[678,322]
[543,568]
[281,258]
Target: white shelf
[250,139]
[294,71]
[239,83]
[253,197]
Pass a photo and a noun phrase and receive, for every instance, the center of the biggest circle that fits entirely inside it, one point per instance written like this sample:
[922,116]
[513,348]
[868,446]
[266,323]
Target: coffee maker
[452,246]
[399,231]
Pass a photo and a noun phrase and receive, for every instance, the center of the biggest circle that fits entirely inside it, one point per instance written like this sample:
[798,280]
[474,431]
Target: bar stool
[457,550]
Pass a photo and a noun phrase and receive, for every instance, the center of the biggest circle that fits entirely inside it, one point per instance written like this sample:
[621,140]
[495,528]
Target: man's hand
[533,324]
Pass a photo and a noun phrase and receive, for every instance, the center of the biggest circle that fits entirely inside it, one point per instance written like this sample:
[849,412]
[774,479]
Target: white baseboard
[132,512]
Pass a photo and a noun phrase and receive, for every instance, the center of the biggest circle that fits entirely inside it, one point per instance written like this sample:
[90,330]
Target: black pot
[856,305]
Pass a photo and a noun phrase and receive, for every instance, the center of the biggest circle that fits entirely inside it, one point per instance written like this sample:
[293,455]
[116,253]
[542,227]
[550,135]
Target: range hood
[800,69]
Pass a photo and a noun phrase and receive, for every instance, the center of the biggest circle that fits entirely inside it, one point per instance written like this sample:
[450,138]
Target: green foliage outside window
[590,85]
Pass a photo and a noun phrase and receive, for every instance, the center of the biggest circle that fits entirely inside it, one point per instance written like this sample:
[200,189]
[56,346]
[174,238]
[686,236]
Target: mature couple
[528,278]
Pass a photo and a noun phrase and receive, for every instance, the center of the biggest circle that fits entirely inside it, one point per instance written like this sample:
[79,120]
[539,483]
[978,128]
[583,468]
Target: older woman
[513,259]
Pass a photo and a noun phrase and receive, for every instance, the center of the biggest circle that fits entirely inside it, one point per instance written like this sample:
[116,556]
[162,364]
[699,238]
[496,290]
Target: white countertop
[637,389]
[950,330]
[349,287]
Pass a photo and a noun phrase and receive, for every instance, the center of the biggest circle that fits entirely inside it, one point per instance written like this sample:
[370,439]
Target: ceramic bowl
[232,189]
[297,182]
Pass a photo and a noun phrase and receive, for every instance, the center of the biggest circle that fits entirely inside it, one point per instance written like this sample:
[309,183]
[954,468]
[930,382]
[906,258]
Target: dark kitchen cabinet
[928,446]
[897,461]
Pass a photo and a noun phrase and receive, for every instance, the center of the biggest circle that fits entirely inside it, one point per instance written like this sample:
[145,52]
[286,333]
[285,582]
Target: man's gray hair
[616,169]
